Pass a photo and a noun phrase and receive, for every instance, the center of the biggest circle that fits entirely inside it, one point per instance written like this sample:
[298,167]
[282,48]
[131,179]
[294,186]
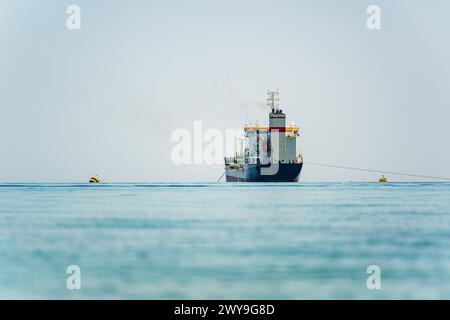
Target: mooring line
[220,177]
[378,171]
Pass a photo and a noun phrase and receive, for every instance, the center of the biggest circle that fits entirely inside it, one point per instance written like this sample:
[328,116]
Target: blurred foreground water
[225,241]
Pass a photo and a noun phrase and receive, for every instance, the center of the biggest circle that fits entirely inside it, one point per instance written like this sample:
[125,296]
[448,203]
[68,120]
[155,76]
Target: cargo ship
[268,153]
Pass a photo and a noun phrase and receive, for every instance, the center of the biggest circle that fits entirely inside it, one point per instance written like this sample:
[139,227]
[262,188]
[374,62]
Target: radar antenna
[273,100]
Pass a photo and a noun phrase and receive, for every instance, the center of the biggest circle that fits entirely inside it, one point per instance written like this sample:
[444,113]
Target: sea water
[225,241]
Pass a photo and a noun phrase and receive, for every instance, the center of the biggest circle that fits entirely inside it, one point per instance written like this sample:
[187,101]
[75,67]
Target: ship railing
[229,160]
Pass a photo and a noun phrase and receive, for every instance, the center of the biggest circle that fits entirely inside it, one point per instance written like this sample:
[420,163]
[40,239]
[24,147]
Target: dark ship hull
[287,172]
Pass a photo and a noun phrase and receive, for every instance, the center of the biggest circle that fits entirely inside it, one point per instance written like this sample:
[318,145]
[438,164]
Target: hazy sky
[105,99]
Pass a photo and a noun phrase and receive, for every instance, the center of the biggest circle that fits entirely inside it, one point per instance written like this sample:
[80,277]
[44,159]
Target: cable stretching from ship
[377,171]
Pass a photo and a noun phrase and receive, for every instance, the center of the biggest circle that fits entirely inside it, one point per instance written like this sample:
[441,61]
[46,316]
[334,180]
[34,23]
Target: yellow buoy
[95,179]
[382,179]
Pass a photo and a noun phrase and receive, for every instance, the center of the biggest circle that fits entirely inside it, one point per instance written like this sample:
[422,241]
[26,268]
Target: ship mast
[273,100]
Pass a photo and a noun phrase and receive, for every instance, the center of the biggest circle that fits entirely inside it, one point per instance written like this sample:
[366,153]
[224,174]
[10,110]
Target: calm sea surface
[225,241]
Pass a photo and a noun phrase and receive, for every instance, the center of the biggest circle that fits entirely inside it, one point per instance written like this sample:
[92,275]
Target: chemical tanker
[268,154]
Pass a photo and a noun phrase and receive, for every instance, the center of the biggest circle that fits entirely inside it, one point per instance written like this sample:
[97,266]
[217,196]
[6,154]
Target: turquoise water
[225,241]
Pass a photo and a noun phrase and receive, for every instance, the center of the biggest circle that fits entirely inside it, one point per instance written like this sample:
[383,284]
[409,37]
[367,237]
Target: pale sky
[105,99]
